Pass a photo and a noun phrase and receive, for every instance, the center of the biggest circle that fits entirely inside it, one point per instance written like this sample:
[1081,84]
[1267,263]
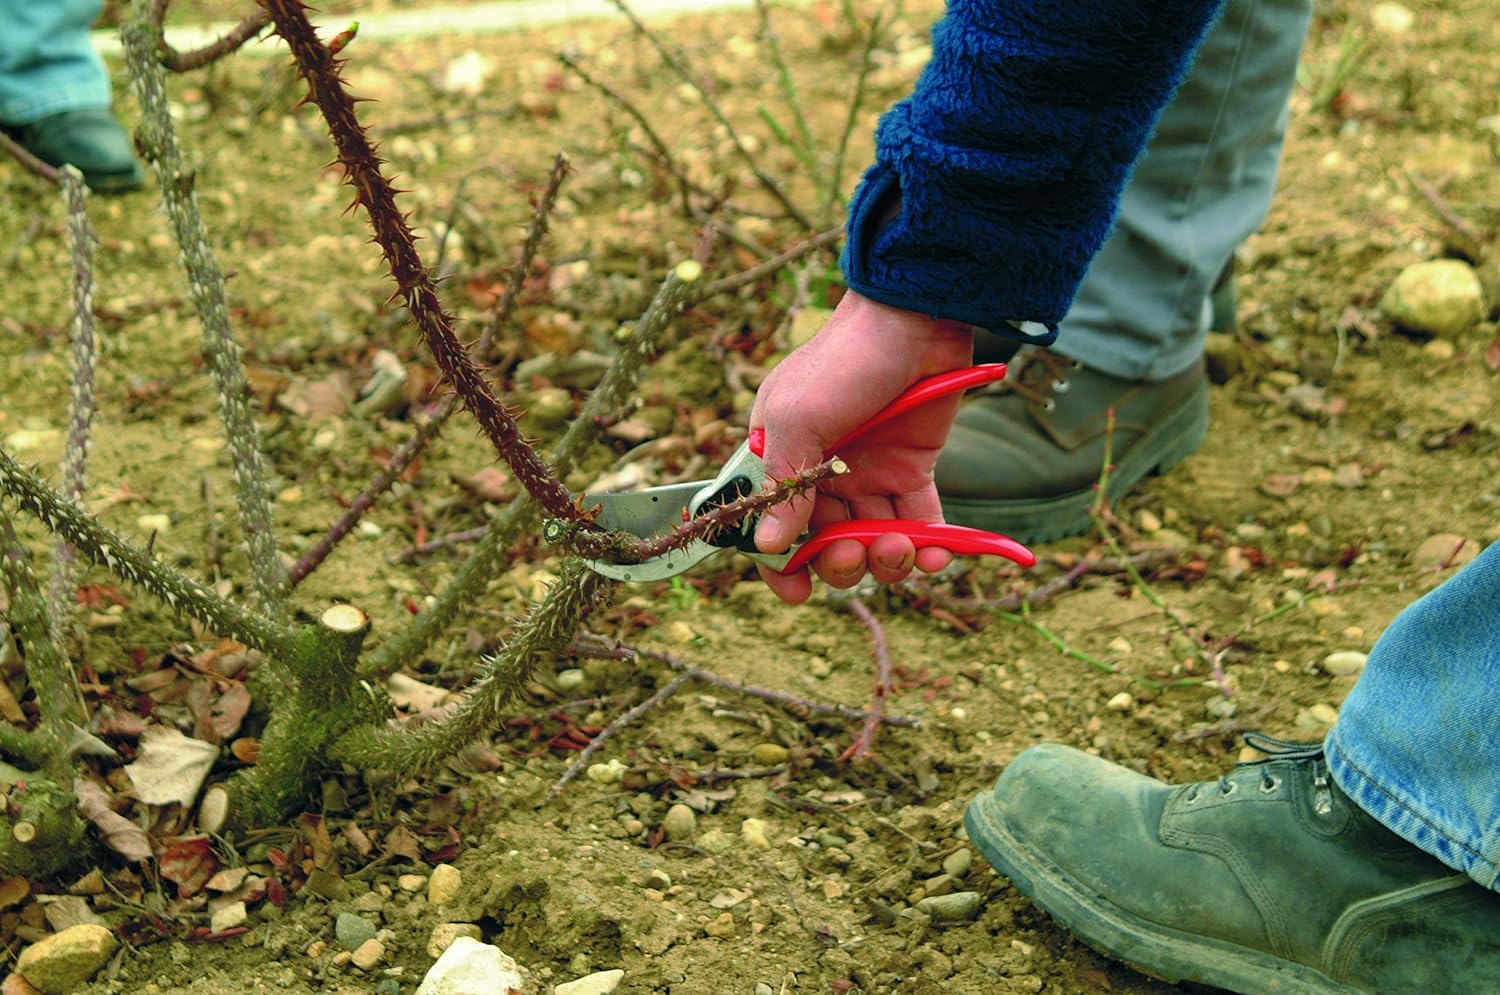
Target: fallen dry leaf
[1492,355]
[190,864]
[489,484]
[119,833]
[170,767]
[412,695]
[63,911]
[13,890]
[217,716]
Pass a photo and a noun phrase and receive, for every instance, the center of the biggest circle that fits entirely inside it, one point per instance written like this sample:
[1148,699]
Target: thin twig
[836,177]
[442,542]
[158,139]
[103,547]
[428,430]
[784,74]
[662,151]
[864,743]
[618,723]
[1454,220]
[85,354]
[775,263]
[680,68]
[182,62]
[588,644]
[319,68]
[31,163]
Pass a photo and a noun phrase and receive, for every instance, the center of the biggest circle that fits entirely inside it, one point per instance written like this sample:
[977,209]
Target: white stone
[1392,18]
[1122,702]
[1440,297]
[469,967]
[228,917]
[1344,663]
[598,983]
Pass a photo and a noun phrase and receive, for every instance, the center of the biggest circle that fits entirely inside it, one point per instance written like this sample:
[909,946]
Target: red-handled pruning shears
[653,511]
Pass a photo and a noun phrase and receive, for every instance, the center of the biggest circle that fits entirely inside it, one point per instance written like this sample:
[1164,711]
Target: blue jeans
[47,65]
[1417,743]
[1202,187]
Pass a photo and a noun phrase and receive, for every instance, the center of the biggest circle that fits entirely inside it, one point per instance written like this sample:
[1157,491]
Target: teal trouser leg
[47,64]
[1202,187]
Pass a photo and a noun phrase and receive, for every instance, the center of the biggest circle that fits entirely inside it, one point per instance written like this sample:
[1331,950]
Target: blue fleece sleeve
[1009,157]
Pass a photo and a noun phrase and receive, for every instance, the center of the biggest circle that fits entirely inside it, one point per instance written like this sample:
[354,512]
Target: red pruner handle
[954,538]
[916,395]
[923,391]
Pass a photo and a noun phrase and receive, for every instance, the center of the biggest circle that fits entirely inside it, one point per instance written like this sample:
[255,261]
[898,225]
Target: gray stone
[959,905]
[1440,297]
[956,865]
[353,930]
[63,961]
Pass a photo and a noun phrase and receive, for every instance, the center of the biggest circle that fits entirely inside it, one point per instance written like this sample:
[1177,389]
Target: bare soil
[1338,448]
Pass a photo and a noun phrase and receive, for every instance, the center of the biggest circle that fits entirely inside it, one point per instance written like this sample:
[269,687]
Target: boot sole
[1159,951]
[1178,436]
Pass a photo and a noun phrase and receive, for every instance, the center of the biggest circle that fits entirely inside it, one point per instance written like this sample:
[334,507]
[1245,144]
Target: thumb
[787,452]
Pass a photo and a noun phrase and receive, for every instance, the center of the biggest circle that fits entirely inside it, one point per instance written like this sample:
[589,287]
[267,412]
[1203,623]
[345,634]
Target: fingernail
[767,532]
[892,563]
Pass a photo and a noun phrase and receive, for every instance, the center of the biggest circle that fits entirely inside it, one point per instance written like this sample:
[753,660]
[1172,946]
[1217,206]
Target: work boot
[1269,880]
[1025,460]
[91,140]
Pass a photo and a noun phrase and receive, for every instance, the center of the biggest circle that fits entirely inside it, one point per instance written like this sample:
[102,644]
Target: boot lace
[1281,749]
[1037,375]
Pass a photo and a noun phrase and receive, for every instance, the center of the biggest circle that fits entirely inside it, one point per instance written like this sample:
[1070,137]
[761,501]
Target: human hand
[860,361]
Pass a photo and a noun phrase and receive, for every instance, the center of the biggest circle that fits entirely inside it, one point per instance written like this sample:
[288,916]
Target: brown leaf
[402,842]
[119,833]
[317,400]
[170,767]
[315,831]
[13,890]
[217,715]
[359,840]
[489,484]
[63,911]
[1492,355]
[190,864]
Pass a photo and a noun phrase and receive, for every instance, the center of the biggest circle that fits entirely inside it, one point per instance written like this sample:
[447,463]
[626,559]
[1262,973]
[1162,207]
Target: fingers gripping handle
[954,538]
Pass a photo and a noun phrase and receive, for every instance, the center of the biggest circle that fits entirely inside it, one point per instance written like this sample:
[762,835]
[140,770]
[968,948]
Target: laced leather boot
[1025,460]
[1269,880]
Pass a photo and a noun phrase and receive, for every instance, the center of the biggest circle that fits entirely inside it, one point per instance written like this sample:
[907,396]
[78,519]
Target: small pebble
[1345,663]
[444,933]
[444,884]
[1122,702]
[753,831]
[958,905]
[598,983]
[680,823]
[353,930]
[722,927]
[370,901]
[368,955]
[956,865]
[411,882]
[658,879]
[769,754]
[570,679]
[761,988]
[607,773]
[228,917]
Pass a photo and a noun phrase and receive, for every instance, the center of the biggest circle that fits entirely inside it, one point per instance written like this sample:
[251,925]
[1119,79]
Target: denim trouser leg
[1201,188]
[47,65]
[1417,743]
